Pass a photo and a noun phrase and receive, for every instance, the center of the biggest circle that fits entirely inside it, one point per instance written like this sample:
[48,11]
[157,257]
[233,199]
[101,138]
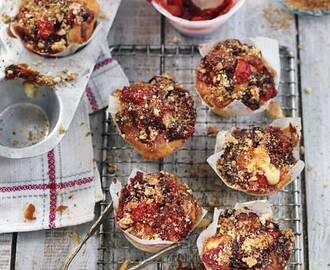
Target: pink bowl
[198,28]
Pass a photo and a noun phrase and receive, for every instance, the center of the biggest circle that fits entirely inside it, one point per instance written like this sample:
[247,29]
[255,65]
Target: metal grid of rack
[143,62]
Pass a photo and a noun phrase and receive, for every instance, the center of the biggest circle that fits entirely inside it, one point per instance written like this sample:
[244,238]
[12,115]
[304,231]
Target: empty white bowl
[198,28]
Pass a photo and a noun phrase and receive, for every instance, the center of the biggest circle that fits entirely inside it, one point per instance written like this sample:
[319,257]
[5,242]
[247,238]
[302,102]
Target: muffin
[155,210]
[49,27]
[258,160]
[234,72]
[155,117]
[243,238]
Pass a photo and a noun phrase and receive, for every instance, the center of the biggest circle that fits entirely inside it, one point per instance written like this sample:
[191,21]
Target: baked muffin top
[257,160]
[44,25]
[158,110]
[235,71]
[245,240]
[157,206]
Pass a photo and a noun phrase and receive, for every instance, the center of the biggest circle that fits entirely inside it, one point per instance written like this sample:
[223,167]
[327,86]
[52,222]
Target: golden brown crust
[157,150]
[156,118]
[203,91]
[81,33]
[48,27]
[157,206]
[234,71]
[245,241]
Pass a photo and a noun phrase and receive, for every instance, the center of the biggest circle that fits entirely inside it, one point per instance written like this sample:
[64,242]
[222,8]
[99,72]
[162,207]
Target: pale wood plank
[248,22]
[48,249]
[5,251]
[136,23]
[96,123]
[315,73]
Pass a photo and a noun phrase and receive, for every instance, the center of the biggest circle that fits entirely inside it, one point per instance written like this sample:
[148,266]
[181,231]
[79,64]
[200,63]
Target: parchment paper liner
[262,208]
[271,54]
[294,172]
[114,105]
[113,108]
[152,246]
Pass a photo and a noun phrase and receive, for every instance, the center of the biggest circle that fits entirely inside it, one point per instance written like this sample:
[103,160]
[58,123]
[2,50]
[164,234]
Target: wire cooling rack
[141,63]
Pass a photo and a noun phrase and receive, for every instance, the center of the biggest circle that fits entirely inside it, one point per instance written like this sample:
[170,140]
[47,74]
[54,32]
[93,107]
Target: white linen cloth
[63,185]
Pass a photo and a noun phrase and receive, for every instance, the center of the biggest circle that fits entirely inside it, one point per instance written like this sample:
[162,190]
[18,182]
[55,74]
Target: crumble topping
[44,25]
[246,241]
[235,71]
[33,78]
[274,110]
[257,160]
[158,110]
[5,18]
[156,205]
[27,73]
[29,212]
[61,208]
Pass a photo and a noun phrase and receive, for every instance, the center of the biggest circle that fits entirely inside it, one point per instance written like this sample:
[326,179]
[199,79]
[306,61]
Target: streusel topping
[236,71]
[159,110]
[157,206]
[246,241]
[44,24]
[258,159]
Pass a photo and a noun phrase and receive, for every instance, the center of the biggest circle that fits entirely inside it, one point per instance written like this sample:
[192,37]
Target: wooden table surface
[308,37]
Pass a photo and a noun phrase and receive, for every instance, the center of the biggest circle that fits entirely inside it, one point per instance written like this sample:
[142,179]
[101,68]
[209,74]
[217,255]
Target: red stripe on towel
[69,184]
[52,188]
[103,63]
[91,98]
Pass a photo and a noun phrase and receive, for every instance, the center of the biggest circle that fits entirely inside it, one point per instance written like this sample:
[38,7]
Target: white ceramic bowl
[198,28]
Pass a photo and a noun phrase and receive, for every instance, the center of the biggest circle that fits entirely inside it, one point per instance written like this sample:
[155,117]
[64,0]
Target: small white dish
[198,28]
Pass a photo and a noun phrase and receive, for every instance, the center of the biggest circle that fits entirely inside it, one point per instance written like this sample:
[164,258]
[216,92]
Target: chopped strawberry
[175,2]
[188,10]
[274,234]
[174,10]
[256,62]
[136,96]
[172,186]
[227,6]
[242,71]
[198,19]
[144,211]
[45,29]
[268,93]
[262,181]
[211,258]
